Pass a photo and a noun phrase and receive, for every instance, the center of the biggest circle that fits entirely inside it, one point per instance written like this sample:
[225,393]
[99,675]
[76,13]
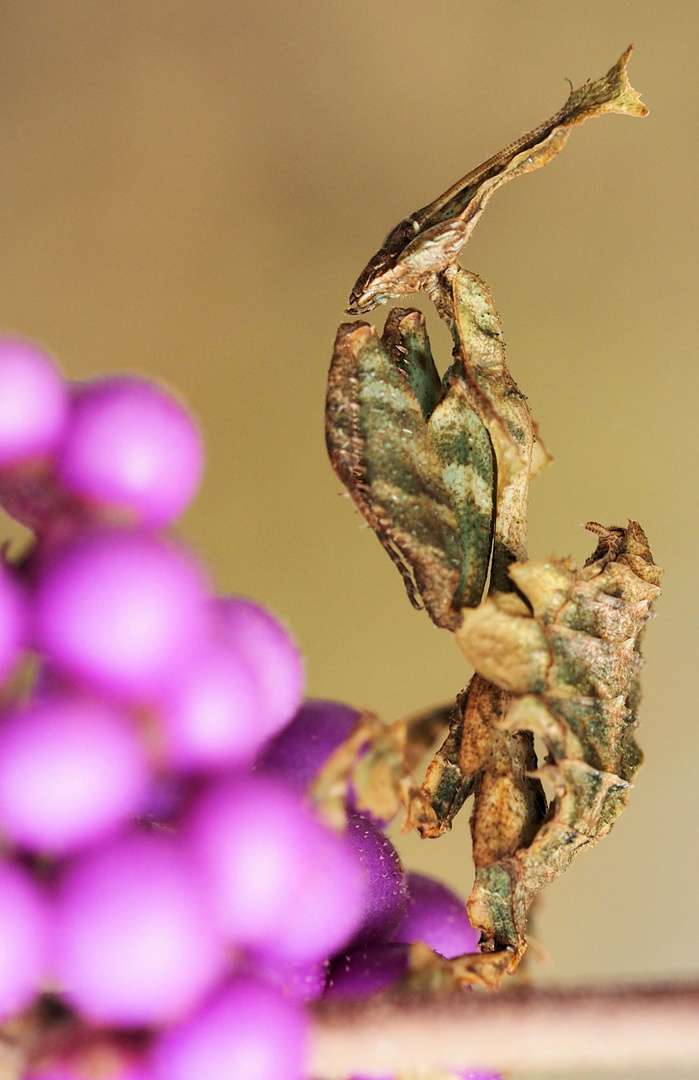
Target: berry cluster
[162,882]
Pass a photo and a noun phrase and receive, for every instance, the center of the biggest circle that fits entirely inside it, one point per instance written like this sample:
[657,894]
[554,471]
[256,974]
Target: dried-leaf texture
[441,471]
[569,669]
[429,240]
[379,446]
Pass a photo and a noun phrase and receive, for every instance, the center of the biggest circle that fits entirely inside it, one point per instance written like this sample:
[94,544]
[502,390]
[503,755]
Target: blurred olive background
[189,189]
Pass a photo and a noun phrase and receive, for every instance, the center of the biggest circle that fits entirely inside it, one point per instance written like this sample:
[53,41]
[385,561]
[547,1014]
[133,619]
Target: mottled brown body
[567,658]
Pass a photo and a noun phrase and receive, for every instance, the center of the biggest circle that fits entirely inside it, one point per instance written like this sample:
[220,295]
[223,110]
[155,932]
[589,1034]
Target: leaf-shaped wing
[464,301]
[379,447]
[467,462]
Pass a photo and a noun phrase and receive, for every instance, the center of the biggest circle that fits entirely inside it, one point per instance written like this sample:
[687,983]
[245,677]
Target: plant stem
[522,1029]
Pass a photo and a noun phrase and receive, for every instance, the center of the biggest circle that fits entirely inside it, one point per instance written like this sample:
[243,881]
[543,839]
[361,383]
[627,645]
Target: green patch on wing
[380,448]
[467,462]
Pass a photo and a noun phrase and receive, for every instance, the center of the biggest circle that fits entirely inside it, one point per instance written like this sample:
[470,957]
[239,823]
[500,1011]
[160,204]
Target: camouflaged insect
[440,468]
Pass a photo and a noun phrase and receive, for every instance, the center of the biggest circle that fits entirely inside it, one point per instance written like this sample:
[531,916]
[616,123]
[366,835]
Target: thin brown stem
[622,1028]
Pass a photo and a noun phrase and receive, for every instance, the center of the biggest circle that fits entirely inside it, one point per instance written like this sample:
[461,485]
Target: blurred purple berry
[132,943]
[271,654]
[143,926]
[13,621]
[23,939]
[210,713]
[33,402]
[71,769]
[121,610]
[278,882]
[132,446]
[168,798]
[367,970]
[299,751]
[386,893]
[327,906]
[247,1032]
[437,917]
[300,982]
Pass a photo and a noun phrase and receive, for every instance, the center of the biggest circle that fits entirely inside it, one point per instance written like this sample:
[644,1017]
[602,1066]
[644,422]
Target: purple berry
[169,795]
[210,713]
[121,610]
[386,893]
[13,620]
[277,881]
[33,402]
[271,655]
[299,751]
[131,446]
[23,939]
[247,1032]
[132,943]
[300,982]
[71,769]
[327,908]
[367,970]
[437,917]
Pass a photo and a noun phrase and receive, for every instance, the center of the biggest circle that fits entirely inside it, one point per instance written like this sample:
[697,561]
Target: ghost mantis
[440,469]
